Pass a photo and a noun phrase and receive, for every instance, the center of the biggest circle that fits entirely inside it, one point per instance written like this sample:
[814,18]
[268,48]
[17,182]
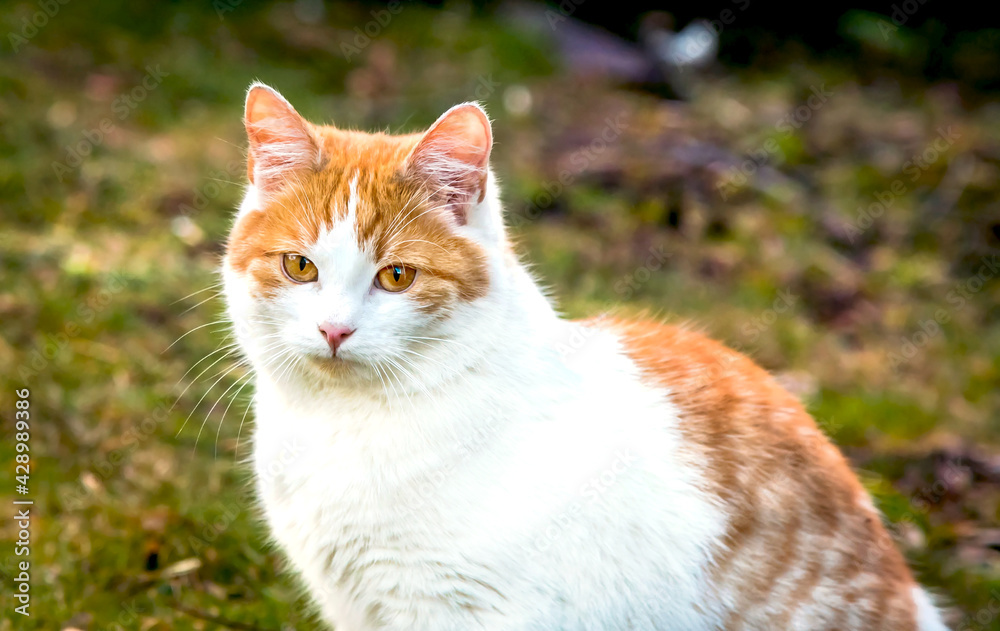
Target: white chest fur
[551,497]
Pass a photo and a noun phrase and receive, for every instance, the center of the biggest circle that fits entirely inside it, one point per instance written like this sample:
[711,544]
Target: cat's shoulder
[668,353]
[703,376]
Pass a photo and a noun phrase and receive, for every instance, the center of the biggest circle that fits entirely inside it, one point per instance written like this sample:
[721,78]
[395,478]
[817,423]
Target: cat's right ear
[282,144]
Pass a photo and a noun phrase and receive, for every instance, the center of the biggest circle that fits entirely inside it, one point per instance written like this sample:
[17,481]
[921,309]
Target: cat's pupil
[302,263]
[397,272]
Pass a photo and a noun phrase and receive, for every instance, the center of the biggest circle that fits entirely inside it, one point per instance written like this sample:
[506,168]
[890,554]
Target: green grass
[142,524]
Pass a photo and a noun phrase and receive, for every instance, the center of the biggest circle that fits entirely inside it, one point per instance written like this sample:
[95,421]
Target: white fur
[928,617]
[502,480]
[517,474]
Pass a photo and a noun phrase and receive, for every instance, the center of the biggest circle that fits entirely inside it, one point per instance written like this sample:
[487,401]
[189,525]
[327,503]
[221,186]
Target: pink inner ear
[280,141]
[263,103]
[454,154]
[463,134]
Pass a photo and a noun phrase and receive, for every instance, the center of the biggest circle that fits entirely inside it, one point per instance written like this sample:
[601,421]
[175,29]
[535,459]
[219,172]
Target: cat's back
[803,545]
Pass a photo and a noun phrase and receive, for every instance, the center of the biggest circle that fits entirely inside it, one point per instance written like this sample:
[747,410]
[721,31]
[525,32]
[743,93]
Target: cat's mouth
[335,364]
[350,370]
[330,359]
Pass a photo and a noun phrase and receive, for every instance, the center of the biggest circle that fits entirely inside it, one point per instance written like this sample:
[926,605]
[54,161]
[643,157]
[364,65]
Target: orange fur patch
[795,507]
[398,219]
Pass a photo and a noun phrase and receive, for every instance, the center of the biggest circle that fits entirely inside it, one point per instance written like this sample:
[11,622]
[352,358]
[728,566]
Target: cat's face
[353,252]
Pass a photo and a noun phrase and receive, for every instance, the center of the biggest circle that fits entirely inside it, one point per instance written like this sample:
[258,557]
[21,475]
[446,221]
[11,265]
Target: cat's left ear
[453,156]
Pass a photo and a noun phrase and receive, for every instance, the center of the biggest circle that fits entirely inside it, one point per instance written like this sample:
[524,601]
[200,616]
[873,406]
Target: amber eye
[298,268]
[395,277]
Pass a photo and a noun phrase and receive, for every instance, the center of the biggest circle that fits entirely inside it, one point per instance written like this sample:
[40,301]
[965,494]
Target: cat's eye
[395,278]
[298,268]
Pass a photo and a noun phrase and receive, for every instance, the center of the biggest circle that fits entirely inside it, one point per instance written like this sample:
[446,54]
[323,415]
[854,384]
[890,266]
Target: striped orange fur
[464,458]
[798,517]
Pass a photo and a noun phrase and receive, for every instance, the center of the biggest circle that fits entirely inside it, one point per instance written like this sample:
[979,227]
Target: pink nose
[335,334]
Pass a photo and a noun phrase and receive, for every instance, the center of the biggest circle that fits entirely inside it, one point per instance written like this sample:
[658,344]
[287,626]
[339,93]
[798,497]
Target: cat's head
[359,255]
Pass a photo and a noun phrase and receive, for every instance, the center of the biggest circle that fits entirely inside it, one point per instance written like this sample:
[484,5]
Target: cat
[435,448]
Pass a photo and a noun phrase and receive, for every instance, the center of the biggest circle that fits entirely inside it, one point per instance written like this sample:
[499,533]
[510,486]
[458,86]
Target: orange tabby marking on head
[398,219]
[796,511]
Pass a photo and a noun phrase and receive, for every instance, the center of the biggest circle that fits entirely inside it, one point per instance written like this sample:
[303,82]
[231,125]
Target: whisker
[231,347]
[296,359]
[409,376]
[212,409]
[195,380]
[403,227]
[195,293]
[411,364]
[242,420]
[409,207]
[212,297]
[221,374]
[437,245]
[283,354]
[389,371]
[202,326]
[248,377]
[436,339]
[385,388]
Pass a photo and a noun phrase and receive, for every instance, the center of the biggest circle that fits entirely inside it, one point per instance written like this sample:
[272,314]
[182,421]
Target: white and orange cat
[436,449]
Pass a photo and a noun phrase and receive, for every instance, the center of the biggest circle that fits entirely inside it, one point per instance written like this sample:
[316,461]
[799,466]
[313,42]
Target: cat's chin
[333,365]
[343,370]
[326,373]
[351,373]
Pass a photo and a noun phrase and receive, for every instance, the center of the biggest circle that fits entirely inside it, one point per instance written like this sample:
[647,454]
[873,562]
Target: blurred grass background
[749,210]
